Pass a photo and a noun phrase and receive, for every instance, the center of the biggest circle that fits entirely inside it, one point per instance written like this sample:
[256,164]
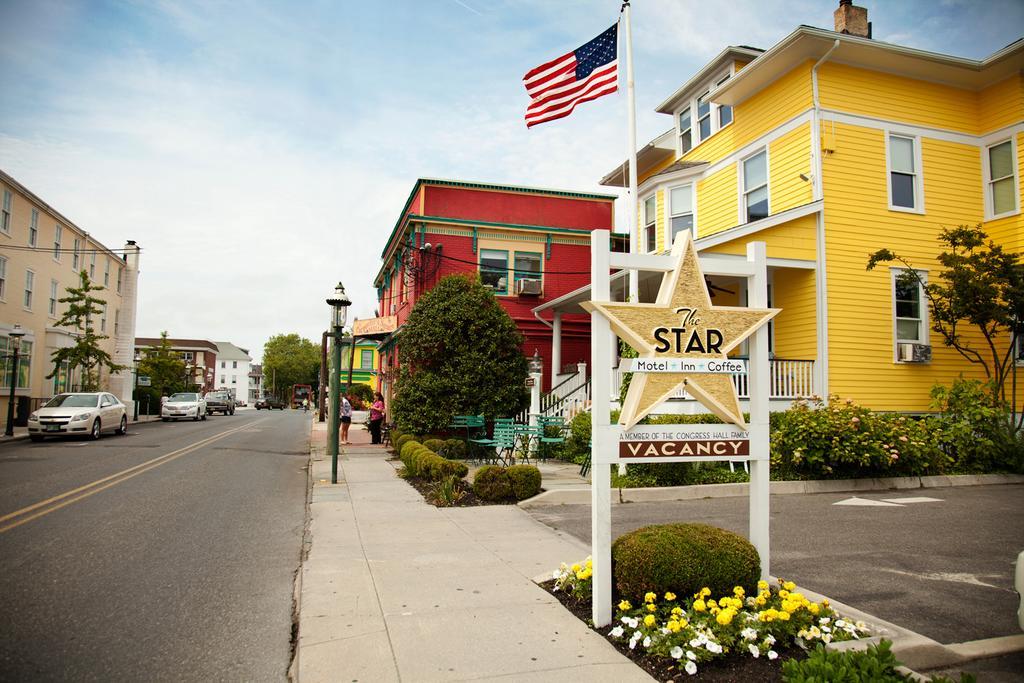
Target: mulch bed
[740,669]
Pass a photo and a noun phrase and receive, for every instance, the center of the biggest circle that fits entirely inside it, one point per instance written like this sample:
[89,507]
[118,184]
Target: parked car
[184,404]
[220,402]
[81,414]
[270,402]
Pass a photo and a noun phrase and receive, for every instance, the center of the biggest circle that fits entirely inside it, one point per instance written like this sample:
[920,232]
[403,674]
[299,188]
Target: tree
[980,288]
[460,354]
[85,353]
[163,366]
[290,359]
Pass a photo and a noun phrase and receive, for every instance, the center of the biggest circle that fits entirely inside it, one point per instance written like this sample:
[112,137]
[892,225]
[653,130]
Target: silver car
[184,405]
[82,414]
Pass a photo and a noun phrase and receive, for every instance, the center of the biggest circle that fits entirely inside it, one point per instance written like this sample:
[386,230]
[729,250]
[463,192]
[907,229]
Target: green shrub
[421,462]
[876,664]
[454,449]
[441,468]
[434,444]
[492,483]
[683,558]
[448,492]
[525,480]
[577,444]
[678,474]
[404,439]
[976,432]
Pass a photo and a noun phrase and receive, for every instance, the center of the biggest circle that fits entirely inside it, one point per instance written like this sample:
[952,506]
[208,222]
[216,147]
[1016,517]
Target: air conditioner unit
[914,353]
[528,287]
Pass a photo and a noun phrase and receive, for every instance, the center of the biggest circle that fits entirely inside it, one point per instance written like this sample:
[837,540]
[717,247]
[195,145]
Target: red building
[530,245]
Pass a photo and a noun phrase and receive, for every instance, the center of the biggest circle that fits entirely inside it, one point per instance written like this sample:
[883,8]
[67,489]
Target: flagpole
[633,203]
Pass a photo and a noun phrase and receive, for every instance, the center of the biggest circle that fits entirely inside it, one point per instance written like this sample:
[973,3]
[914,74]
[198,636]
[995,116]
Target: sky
[260,152]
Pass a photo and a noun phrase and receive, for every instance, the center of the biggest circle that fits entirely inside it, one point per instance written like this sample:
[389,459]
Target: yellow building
[830,146]
[41,255]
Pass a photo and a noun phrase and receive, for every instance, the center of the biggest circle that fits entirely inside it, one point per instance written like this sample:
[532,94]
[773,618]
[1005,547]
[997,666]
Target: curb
[669,493]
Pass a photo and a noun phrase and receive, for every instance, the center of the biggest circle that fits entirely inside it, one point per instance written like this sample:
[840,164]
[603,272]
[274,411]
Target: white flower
[556,574]
[664,631]
[748,633]
[697,642]
[754,651]
[770,640]
[633,621]
[647,641]
[772,654]
[691,668]
[691,656]
[616,632]
[624,620]
[676,652]
[714,648]
[824,620]
[826,639]
[632,643]
[826,629]
[637,635]
[840,623]
[862,626]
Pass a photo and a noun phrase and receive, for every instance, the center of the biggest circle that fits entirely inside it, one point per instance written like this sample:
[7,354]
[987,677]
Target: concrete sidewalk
[396,589]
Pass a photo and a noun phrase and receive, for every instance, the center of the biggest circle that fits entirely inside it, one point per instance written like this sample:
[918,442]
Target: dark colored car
[270,402]
[220,402]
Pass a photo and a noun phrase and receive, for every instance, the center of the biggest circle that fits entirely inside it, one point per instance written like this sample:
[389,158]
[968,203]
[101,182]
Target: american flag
[584,74]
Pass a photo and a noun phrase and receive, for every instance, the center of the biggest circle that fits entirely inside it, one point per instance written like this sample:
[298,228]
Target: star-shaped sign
[682,324]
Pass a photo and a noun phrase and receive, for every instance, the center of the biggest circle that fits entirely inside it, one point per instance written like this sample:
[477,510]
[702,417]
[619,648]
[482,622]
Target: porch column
[556,348]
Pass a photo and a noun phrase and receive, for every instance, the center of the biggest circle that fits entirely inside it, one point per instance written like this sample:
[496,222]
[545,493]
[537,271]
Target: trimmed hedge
[683,558]
[525,480]
[454,449]
[434,444]
[420,461]
[492,482]
[402,440]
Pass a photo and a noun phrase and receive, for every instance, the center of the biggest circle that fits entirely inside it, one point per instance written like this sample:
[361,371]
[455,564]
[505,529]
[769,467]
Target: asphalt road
[942,568]
[166,554]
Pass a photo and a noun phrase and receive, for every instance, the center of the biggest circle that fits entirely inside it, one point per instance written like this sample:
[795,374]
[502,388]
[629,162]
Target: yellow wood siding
[795,327]
[773,106]
[860,305]
[1001,104]
[788,157]
[716,201]
[794,239]
[655,169]
[897,98]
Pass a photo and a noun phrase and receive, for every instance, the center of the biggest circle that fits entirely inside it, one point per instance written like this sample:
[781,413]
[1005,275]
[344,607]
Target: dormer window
[701,118]
[724,110]
[704,116]
[685,139]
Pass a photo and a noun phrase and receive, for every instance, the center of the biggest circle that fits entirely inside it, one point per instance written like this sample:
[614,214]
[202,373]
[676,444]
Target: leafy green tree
[164,367]
[85,353]
[460,354]
[290,359]
[981,287]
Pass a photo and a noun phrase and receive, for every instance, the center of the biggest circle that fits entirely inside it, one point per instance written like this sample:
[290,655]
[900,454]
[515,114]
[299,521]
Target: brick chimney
[852,20]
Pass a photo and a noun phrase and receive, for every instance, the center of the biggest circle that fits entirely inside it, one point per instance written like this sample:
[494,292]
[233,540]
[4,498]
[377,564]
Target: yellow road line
[112,480]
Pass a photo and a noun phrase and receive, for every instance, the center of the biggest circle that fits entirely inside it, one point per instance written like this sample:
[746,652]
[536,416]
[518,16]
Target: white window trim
[644,223]
[741,208]
[4,261]
[918,172]
[54,297]
[709,86]
[33,228]
[58,241]
[670,213]
[26,289]
[925,312]
[4,194]
[986,180]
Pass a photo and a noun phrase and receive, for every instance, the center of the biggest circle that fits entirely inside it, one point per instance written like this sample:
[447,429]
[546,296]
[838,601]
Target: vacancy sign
[683,443]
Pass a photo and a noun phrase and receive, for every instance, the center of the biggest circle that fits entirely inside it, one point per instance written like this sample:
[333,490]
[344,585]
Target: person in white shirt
[346,418]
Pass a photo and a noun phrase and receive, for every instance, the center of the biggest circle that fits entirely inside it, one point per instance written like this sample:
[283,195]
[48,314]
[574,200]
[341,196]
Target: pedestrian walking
[377,413]
[346,418]
[305,405]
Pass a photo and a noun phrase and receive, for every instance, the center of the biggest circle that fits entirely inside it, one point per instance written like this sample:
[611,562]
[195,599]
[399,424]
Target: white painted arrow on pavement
[866,502]
[913,500]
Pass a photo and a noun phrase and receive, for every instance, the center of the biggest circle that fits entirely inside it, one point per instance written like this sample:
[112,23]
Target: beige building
[41,254]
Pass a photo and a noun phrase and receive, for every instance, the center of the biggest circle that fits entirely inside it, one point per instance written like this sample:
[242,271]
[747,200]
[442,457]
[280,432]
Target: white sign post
[712,332]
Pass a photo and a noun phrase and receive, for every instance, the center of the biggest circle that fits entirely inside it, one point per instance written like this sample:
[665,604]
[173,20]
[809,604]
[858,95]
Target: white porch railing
[788,379]
[565,400]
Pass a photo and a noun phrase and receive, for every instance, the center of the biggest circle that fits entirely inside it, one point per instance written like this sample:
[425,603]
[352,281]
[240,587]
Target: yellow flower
[705,592]
[590,562]
[650,597]
[761,601]
[712,603]
[725,616]
[670,596]
[783,616]
[674,626]
[649,620]
[652,608]
[783,593]
[824,603]
[699,605]
[814,609]
[738,591]
[677,611]
[789,585]
[762,585]
[625,606]
[575,567]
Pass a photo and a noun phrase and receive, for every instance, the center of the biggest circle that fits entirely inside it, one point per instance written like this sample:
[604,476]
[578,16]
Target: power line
[65,250]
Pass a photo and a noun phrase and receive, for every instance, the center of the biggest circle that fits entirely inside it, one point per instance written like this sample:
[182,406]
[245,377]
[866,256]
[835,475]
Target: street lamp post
[535,365]
[339,303]
[135,393]
[189,377]
[15,336]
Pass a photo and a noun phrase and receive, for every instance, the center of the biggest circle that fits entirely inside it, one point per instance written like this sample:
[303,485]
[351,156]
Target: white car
[185,404]
[79,414]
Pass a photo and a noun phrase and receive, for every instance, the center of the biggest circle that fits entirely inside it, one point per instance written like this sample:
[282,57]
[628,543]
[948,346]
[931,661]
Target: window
[62,377]
[106,274]
[76,255]
[186,355]
[755,187]
[1020,347]
[3,278]
[366,359]
[908,301]
[704,116]
[1002,190]
[7,362]
[103,318]
[234,379]
[58,233]
[494,270]
[120,276]
[223,379]
[724,110]
[681,207]
[234,364]
[33,228]
[650,223]
[903,173]
[53,298]
[223,364]
[30,278]
[92,266]
[685,133]
[527,266]
[117,321]
[5,213]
